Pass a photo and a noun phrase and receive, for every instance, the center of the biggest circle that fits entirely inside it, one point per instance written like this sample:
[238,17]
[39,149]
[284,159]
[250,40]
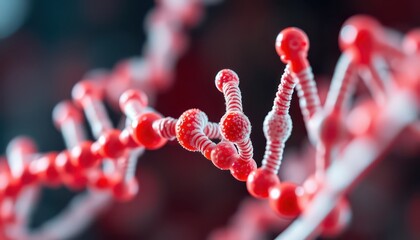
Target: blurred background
[47,46]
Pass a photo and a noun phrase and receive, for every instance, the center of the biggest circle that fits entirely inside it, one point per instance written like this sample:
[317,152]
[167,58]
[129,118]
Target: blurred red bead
[110,145]
[28,176]
[358,36]
[82,156]
[260,181]
[127,140]
[66,110]
[137,96]
[337,220]
[284,199]
[125,190]
[13,188]
[85,89]
[101,181]
[46,169]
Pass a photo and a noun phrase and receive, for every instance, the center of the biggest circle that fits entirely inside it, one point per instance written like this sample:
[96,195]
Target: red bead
[7,213]
[337,220]
[362,118]
[76,182]
[226,76]
[72,176]
[235,126]
[241,169]
[136,95]
[260,181]
[110,145]
[188,127]
[127,140]
[13,188]
[4,181]
[46,169]
[284,199]
[82,155]
[358,35]
[126,190]
[85,89]
[292,45]
[207,152]
[310,188]
[143,132]
[331,128]
[64,164]
[224,155]
[66,110]
[411,43]
[28,176]
[101,181]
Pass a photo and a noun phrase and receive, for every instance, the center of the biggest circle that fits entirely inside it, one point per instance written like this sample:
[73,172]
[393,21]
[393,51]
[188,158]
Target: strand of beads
[109,163]
[194,132]
[292,47]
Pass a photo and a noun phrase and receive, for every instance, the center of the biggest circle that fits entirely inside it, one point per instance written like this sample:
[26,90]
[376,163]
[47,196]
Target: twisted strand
[273,156]
[232,97]
[278,124]
[245,149]
[342,83]
[165,127]
[212,130]
[284,92]
[307,93]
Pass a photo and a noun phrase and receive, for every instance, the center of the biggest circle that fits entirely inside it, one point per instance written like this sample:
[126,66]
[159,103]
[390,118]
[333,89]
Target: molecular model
[350,133]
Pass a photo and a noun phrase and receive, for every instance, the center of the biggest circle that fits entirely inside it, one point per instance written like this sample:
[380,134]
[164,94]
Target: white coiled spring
[308,94]
[342,83]
[165,127]
[233,97]
[278,123]
[245,149]
[212,130]
[198,137]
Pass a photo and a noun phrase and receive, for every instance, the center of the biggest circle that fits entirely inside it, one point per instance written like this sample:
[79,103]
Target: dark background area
[183,196]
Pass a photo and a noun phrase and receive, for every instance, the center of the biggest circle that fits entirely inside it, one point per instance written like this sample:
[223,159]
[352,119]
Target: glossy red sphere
[260,181]
[235,126]
[110,145]
[241,169]
[127,140]
[125,190]
[292,45]
[284,199]
[226,76]
[82,155]
[359,36]
[224,155]
[85,89]
[189,126]
[133,95]
[143,132]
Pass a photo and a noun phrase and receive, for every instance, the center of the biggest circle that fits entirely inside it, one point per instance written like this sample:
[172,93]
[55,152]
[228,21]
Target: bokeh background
[47,46]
